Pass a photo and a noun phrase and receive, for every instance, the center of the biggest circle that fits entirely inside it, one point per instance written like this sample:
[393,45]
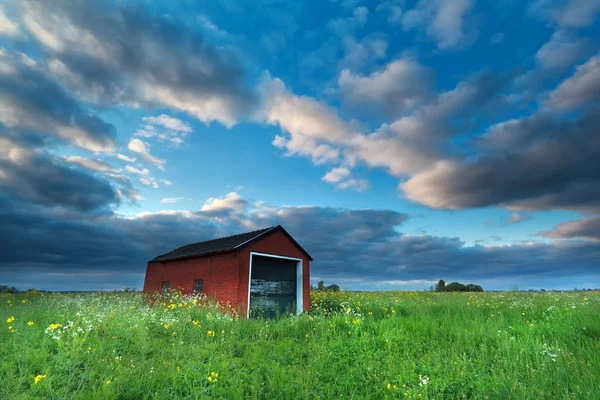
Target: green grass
[352,345]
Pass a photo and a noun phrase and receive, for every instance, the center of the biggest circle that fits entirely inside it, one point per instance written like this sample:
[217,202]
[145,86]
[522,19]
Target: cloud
[90,163]
[125,158]
[131,56]
[342,179]
[336,175]
[232,202]
[582,87]
[356,248]
[35,176]
[171,200]
[149,181]
[585,228]
[31,100]
[399,87]
[345,25]
[497,37]
[361,53]
[141,148]
[310,125]
[567,13]
[137,171]
[7,27]
[445,21]
[516,217]
[534,163]
[165,182]
[170,123]
[562,50]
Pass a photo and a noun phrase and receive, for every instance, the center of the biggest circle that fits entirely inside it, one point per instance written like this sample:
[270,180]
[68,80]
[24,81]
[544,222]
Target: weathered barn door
[273,286]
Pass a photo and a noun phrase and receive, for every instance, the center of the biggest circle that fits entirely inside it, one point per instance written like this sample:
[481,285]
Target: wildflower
[11,319]
[389,385]
[39,378]
[31,323]
[54,326]
[210,333]
[213,377]
[174,333]
[195,322]
[307,335]
[108,382]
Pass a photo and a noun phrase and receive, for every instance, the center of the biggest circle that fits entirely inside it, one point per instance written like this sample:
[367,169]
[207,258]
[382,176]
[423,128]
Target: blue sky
[401,141]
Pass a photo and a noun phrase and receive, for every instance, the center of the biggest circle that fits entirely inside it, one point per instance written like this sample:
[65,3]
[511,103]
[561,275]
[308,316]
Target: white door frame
[299,279]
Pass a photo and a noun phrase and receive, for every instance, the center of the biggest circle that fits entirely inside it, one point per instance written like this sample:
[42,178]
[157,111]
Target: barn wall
[220,273]
[278,244]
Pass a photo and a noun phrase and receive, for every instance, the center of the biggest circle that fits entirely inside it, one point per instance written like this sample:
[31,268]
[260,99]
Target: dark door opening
[272,287]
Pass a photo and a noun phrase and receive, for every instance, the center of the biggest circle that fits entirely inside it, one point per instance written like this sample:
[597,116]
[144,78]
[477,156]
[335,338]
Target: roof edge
[270,231]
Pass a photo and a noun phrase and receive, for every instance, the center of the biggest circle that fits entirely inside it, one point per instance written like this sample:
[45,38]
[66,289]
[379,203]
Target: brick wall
[219,273]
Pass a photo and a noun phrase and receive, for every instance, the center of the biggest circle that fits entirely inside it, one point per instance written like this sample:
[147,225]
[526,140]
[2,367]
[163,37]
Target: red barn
[266,269]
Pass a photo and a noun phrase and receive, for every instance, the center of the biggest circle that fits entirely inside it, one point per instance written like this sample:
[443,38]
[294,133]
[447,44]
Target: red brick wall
[219,272]
[278,244]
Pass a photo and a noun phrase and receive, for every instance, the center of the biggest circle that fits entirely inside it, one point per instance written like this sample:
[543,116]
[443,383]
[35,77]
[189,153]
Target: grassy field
[410,345]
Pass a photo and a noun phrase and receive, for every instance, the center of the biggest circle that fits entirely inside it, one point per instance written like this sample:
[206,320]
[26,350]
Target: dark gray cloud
[539,162]
[357,248]
[128,55]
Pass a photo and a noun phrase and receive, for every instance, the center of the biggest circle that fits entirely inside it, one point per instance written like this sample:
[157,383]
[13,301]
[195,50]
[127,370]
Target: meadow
[374,345]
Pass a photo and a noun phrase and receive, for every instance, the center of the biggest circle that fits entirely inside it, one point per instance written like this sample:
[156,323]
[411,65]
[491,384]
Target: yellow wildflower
[54,326]
[108,382]
[31,323]
[39,378]
[11,319]
[389,385]
[213,377]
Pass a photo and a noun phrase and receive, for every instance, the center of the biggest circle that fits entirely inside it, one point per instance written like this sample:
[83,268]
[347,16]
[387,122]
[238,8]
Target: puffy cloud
[232,202]
[336,175]
[125,158]
[582,87]
[342,179]
[141,148]
[343,26]
[584,228]
[444,21]
[31,100]
[399,87]
[128,55]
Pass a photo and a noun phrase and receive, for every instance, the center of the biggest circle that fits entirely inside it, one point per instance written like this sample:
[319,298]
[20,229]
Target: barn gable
[224,245]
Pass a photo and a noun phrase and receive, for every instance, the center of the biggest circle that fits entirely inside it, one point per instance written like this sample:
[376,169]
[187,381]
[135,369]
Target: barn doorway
[275,285]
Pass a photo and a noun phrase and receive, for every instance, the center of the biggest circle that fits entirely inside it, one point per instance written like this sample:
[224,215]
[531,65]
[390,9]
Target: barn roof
[224,245]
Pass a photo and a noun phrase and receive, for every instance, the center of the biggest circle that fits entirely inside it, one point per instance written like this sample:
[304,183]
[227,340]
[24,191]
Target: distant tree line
[321,287]
[456,287]
[7,289]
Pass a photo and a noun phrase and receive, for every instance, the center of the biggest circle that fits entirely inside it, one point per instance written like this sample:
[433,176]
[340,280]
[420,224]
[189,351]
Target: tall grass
[352,345]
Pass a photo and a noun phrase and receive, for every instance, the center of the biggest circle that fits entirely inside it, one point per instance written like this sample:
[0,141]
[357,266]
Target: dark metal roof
[222,245]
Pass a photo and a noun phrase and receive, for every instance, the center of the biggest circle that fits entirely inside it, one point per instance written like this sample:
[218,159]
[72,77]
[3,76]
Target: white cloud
[567,13]
[444,22]
[232,202]
[516,217]
[149,181]
[336,175]
[125,158]
[137,146]
[171,200]
[8,27]
[137,171]
[170,123]
[165,182]
[89,163]
[583,86]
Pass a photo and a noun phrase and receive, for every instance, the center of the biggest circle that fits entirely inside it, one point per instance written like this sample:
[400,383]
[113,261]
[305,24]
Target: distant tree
[455,287]
[333,288]
[474,288]
[6,289]
[321,285]
[441,286]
